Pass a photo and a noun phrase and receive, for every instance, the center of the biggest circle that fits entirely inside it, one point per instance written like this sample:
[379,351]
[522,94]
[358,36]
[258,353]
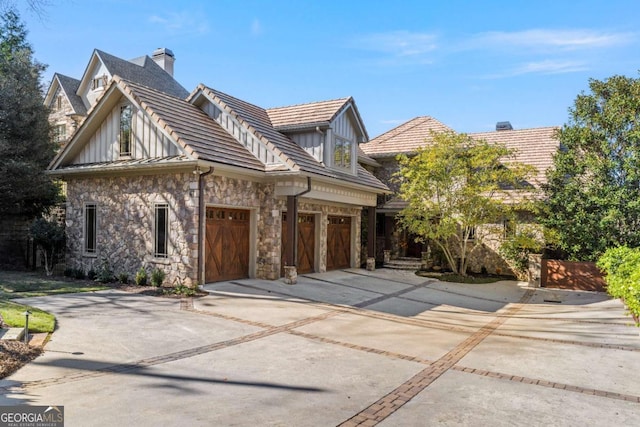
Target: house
[205,186]
[535,147]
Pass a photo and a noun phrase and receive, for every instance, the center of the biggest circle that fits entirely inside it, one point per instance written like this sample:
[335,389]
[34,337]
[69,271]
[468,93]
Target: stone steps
[404,264]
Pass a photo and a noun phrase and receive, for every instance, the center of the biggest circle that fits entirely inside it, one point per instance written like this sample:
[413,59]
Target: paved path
[342,348]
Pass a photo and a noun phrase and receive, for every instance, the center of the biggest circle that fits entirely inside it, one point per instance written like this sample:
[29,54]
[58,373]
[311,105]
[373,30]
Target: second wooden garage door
[227,244]
[306,242]
[338,242]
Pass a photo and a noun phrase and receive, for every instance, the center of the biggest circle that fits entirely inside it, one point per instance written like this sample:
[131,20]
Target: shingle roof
[149,74]
[70,86]
[259,121]
[306,115]
[535,146]
[405,138]
[201,137]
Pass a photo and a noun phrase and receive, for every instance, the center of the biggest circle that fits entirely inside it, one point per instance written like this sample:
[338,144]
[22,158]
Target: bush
[184,290]
[517,248]
[91,274]
[104,274]
[123,278]
[622,268]
[157,277]
[78,273]
[141,277]
[69,272]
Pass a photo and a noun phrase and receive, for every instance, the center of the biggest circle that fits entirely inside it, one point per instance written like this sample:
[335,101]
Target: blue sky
[469,64]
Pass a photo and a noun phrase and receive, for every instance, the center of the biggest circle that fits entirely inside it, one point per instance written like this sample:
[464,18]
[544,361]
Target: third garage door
[338,242]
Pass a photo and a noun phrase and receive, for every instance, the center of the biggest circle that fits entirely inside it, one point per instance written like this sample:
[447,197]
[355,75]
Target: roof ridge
[345,99]
[517,130]
[382,136]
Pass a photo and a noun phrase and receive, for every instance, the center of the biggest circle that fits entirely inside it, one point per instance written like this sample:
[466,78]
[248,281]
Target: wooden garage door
[227,247]
[339,242]
[306,242]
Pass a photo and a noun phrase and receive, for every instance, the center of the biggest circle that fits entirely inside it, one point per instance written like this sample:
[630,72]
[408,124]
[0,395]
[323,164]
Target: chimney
[503,126]
[165,59]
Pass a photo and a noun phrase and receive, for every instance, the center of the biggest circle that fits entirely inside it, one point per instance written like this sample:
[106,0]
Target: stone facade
[125,224]
[60,114]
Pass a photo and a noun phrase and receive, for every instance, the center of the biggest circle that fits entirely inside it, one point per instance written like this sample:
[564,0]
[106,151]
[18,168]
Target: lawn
[30,284]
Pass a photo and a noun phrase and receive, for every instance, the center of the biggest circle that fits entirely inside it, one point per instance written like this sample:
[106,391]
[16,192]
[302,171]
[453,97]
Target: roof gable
[405,138]
[69,87]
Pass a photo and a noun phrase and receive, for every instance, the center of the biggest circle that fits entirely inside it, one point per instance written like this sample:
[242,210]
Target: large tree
[593,192]
[456,187]
[26,145]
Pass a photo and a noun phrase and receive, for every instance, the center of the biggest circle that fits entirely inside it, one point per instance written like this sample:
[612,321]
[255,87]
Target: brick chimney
[165,59]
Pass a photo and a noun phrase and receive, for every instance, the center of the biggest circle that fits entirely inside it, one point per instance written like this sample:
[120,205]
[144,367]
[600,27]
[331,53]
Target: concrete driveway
[342,348]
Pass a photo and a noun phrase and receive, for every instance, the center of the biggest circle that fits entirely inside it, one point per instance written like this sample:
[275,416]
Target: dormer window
[342,156]
[99,82]
[125,130]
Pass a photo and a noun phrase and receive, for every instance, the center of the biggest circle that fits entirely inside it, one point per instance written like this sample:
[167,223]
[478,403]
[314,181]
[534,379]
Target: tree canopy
[593,191]
[455,188]
[26,145]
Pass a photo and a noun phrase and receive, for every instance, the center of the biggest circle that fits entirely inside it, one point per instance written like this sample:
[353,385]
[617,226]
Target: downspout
[201,223]
[292,209]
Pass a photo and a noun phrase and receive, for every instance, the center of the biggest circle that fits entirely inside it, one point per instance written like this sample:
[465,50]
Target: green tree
[26,145]
[456,188]
[49,238]
[593,191]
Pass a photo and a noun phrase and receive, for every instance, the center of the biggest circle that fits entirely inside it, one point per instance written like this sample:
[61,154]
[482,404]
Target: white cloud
[548,66]
[541,39]
[402,44]
[181,23]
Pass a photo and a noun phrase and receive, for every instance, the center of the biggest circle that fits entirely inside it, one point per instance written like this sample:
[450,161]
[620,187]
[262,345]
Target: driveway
[341,348]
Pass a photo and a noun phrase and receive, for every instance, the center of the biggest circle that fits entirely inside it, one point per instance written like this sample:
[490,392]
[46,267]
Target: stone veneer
[125,222]
[59,116]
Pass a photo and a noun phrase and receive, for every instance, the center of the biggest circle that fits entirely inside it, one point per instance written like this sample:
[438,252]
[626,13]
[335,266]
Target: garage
[306,242]
[227,244]
[338,242]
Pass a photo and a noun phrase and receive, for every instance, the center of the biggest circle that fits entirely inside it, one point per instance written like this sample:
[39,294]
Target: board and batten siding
[312,142]
[240,133]
[343,127]
[147,141]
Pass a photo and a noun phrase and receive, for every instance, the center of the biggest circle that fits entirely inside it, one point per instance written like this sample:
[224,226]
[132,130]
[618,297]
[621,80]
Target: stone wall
[58,116]
[125,224]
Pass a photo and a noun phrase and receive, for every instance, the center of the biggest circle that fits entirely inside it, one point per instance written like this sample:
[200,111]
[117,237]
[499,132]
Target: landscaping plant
[622,268]
[141,277]
[157,277]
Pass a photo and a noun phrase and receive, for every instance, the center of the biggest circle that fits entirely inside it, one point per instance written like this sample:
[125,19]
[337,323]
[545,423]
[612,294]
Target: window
[59,102]
[125,130]
[161,230]
[59,132]
[90,223]
[509,228]
[99,82]
[342,153]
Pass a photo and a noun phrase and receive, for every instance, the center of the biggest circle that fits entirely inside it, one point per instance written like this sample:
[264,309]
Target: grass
[15,284]
[19,284]
[39,320]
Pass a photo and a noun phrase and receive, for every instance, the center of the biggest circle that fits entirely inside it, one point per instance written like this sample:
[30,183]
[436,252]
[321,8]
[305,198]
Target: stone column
[535,270]
[387,256]
[371,264]
[426,263]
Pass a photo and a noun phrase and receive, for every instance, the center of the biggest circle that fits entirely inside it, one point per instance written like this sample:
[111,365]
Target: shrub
[104,274]
[141,277]
[123,278]
[622,268]
[69,272]
[184,290]
[91,274]
[517,248]
[78,273]
[157,277]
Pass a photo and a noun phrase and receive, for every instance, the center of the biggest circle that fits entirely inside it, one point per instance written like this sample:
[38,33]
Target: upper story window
[58,104]
[342,156]
[59,132]
[126,113]
[99,82]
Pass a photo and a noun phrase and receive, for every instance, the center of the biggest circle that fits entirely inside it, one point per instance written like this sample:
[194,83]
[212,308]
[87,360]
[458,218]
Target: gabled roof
[69,86]
[535,146]
[405,138]
[306,115]
[259,123]
[143,71]
[199,136]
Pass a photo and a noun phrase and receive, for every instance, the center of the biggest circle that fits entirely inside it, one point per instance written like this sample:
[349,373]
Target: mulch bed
[164,292]
[15,354]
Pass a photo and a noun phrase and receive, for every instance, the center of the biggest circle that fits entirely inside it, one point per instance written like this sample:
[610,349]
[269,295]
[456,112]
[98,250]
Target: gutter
[201,223]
